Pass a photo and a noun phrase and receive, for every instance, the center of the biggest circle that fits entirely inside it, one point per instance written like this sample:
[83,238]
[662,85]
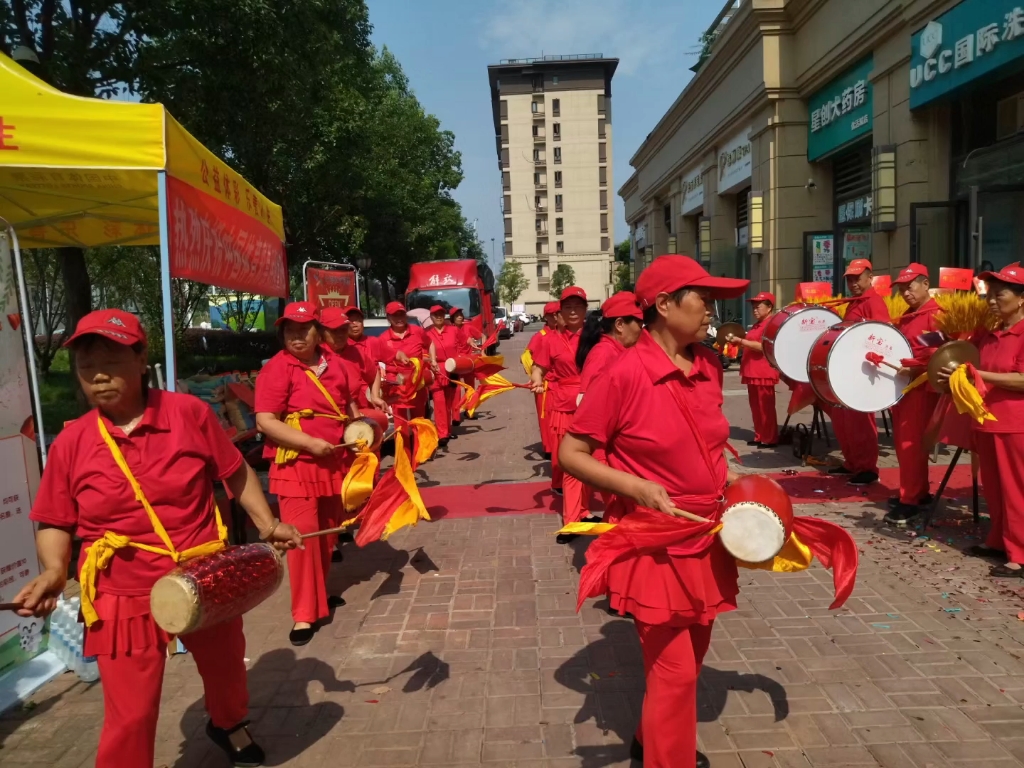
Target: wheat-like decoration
[963,312]
[896,305]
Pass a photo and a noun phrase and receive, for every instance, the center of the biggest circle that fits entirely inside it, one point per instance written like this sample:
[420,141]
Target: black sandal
[980,550]
[237,744]
[1006,572]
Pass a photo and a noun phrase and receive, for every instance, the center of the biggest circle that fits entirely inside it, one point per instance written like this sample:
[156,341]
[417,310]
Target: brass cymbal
[729,329]
[954,353]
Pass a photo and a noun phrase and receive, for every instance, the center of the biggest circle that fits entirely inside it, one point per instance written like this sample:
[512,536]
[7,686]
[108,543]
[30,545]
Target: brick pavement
[460,646]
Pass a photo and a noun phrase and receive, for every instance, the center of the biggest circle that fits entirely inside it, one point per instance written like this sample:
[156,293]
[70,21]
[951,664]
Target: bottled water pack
[67,637]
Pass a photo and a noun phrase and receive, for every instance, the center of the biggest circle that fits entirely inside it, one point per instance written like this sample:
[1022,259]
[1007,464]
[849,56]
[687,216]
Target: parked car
[518,324]
[501,319]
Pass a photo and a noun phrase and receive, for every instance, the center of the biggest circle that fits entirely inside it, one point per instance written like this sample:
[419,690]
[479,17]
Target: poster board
[955,279]
[822,258]
[20,639]
[331,287]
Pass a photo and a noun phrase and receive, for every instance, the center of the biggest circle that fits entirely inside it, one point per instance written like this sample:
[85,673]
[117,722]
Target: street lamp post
[364,263]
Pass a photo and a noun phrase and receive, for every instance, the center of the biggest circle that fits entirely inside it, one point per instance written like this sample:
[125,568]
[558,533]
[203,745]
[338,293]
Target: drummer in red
[551,309]
[857,432]
[174,448]
[303,397]
[658,414]
[910,416]
[557,356]
[443,339]
[397,348]
[758,374]
[365,373]
[357,334]
[462,347]
[1000,443]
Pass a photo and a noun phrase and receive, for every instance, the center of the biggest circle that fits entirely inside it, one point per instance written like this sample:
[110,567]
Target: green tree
[561,278]
[511,281]
[622,251]
[622,277]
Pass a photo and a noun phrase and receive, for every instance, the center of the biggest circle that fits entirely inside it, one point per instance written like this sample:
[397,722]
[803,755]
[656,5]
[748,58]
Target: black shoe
[636,751]
[840,470]
[443,442]
[902,514]
[980,550]
[558,491]
[1006,572]
[767,445]
[335,601]
[300,637]
[702,760]
[346,538]
[336,556]
[591,519]
[565,538]
[250,755]
[864,478]
[547,455]
[894,501]
[453,436]
[753,443]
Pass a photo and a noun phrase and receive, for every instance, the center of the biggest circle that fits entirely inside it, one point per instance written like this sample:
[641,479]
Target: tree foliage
[511,281]
[561,278]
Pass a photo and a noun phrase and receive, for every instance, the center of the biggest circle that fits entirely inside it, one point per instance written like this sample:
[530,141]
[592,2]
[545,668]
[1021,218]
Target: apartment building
[553,135]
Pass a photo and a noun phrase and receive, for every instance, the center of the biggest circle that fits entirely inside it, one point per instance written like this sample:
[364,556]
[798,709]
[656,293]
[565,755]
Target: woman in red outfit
[357,337]
[401,348]
[759,376]
[540,398]
[557,357]
[1000,443]
[303,397]
[658,414]
[337,325]
[173,447]
[444,343]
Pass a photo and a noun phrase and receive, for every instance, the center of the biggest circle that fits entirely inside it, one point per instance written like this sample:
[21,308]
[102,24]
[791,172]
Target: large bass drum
[789,335]
[841,374]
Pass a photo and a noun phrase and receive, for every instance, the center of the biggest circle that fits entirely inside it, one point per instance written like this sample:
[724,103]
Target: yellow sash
[100,553]
[294,420]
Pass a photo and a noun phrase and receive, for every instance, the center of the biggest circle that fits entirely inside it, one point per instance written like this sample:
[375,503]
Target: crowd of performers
[629,403]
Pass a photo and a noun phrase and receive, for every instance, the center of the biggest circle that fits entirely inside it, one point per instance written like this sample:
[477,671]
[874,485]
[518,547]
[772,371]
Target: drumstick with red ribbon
[877,359]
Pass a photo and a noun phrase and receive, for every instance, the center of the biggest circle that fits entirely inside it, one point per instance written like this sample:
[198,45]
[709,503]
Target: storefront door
[938,236]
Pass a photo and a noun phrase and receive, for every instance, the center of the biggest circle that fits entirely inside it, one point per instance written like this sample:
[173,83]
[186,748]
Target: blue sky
[445,46]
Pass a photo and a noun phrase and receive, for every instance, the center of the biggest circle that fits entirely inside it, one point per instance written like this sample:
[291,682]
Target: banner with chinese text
[331,287]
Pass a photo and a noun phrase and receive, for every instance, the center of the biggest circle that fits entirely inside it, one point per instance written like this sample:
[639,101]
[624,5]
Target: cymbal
[954,353]
[729,329]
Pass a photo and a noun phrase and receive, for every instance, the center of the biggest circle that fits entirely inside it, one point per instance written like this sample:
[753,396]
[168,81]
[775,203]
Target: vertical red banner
[331,287]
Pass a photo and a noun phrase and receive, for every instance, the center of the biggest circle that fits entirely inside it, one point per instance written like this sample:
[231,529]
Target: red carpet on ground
[462,501]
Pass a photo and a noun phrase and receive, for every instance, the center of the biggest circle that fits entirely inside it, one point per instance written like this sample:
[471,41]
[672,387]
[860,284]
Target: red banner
[811,291]
[331,287]
[214,243]
[954,279]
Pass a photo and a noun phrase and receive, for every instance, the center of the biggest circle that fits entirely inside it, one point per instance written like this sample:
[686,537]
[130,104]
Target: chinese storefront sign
[20,639]
[965,43]
[693,193]
[856,245]
[854,210]
[840,112]
[734,163]
[215,243]
[822,259]
[331,287]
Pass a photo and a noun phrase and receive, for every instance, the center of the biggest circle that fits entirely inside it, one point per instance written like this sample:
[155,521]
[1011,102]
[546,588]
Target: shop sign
[965,43]
[841,112]
[734,163]
[693,193]
[822,260]
[854,210]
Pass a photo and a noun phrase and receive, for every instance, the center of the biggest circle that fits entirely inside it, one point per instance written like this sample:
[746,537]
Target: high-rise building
[553,129]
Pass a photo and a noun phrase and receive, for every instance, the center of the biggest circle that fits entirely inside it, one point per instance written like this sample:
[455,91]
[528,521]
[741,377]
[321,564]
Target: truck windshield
[466,299]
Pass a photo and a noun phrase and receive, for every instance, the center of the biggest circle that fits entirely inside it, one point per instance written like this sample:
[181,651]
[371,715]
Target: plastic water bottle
[90,672]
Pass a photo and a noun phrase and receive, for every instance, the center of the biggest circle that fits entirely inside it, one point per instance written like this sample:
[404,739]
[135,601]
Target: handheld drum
[757,520]
[459,365]
[841,371]
[789,335]
[215,588]
[370,428]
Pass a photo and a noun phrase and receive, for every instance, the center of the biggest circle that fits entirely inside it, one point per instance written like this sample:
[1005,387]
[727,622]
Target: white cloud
[616,28]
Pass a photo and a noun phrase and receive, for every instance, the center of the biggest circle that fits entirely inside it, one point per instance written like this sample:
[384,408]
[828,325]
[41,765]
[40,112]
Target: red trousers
[576,495]
[910,417]
[762,408]
[672,662]
[857,434]
[444,403]
[132,684]
[1002,477]
[307,568]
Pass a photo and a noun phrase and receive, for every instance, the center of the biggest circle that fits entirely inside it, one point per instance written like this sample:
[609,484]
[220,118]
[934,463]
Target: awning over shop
[85,172]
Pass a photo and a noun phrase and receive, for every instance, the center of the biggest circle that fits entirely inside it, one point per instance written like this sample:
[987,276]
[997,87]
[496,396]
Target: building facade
[819,131]
[553,133]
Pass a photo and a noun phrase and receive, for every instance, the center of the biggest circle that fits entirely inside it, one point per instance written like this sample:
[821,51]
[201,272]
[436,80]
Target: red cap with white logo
[114,324]
[299,312]
[1012,274]
[910,273]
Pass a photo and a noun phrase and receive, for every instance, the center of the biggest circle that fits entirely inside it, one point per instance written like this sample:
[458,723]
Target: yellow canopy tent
[89,172]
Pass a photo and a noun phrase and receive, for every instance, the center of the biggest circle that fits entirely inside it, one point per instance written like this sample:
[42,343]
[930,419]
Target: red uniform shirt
[176,452]
[754,366]
[868,306]
[632,412]
[1003,352]
[462,340]
[557,356]
[367,345]
[283,387]
[603,354]
[362,372]
[913,323]
[445,341]
[413,343]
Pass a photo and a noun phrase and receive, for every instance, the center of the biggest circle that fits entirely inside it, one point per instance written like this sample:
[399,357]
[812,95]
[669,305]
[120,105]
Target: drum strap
[101,551]
[294,420]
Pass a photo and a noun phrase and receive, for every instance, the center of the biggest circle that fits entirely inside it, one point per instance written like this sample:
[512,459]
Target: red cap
[910,273]
[670,273]
[454,311]
[573,292]
[858,267]
[437,308]
[552,308]
[116,324]
[763,296]
[622,304]
[1011,273]
[394,307]
[352,309]
[333,318]
[300,312]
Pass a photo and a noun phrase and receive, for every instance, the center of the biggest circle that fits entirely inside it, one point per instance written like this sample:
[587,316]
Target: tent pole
[30,347]
[170,368]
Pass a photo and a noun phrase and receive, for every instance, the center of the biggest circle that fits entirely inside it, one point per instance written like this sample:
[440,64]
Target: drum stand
[886,417]
[930,512]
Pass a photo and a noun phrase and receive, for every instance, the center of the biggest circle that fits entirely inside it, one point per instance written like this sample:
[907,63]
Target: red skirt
[307,477]
[126,626]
